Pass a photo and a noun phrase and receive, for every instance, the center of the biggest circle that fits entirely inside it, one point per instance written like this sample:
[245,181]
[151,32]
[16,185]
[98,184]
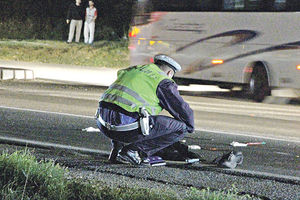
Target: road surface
[58,113]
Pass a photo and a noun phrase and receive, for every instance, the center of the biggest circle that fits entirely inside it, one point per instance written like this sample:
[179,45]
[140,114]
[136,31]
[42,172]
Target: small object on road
[194,147]
[230,160]
[192,160]
[91,129]
[181,153]
[255,143]
[238,144]
[154,161]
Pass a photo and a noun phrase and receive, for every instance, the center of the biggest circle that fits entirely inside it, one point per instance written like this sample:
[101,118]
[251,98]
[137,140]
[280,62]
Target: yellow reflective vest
[135,87]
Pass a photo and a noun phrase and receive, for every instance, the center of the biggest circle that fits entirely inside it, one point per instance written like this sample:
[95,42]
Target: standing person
[75,15]
[128,111]
[89,24]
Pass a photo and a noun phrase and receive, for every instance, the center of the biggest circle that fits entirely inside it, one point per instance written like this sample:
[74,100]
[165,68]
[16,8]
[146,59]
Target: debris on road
[194,147]
[255,143]
[91,129]
[154,161]
[238,144]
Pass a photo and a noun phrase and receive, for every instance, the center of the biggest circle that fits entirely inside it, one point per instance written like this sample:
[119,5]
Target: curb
[16,73]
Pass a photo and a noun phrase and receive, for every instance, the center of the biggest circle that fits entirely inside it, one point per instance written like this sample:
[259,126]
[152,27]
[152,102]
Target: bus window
[261,5]
[225,5]
[292,5]
[141,12]
[249,5]
[230,4]
[280,5]
[239,4]
[179,5]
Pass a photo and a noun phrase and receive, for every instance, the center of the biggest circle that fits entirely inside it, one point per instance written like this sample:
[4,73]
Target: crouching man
[128,111]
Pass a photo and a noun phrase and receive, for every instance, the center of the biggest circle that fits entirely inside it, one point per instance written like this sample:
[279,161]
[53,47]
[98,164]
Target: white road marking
[62,94]
[194,147]
[285,113]
[291,139]
[47,112]
[270,107]
[283,153]
[26,142]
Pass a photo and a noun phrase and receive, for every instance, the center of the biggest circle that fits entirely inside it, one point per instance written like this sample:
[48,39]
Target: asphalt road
[57,114]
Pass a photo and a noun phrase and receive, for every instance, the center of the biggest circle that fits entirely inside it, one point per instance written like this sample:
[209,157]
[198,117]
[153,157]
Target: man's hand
[68,21]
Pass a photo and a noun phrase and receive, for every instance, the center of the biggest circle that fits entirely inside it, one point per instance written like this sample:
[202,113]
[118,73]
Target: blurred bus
[254,44]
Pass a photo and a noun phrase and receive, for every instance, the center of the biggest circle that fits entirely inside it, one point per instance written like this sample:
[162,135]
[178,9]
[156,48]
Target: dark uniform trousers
[164,131]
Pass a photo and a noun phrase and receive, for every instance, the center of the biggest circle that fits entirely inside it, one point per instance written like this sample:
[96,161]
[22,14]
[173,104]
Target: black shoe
[117,146]
[179,152]
[129,157]
[230,160]
[189,156]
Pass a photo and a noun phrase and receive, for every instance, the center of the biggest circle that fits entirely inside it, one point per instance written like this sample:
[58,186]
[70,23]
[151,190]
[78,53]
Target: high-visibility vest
[135,87]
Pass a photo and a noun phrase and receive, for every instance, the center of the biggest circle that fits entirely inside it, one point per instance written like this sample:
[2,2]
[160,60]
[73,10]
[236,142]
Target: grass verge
[22,176]
[112,54]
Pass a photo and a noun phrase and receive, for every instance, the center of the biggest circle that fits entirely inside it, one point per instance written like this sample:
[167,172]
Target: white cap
[173,64]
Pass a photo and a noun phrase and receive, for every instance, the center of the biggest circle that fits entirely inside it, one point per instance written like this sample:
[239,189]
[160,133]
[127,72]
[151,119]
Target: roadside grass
[111,54]
[22,176]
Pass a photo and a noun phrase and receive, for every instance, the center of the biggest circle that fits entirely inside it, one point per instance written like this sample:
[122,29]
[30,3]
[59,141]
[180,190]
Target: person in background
[75,16]
[89,24]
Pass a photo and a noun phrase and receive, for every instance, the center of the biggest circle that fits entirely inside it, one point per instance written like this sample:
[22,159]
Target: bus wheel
[259,85]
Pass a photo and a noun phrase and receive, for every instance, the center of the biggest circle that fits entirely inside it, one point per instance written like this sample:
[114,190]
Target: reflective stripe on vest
[130,92]
[113,97]
[136,87]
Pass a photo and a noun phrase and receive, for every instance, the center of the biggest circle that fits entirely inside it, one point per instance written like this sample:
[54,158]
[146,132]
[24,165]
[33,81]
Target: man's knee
[167,124]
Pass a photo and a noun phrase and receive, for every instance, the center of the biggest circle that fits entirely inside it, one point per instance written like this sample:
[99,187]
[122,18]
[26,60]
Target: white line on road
[291,139]
[25,142]
[284,113]
[47,112]
[294,140]
[269,107]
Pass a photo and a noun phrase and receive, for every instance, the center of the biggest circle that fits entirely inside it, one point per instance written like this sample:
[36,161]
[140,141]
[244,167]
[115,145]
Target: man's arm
[86,12]
[171,100]
[68,15]
[95,15]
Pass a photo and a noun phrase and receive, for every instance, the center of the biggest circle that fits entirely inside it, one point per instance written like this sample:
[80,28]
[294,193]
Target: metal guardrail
[16,73]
